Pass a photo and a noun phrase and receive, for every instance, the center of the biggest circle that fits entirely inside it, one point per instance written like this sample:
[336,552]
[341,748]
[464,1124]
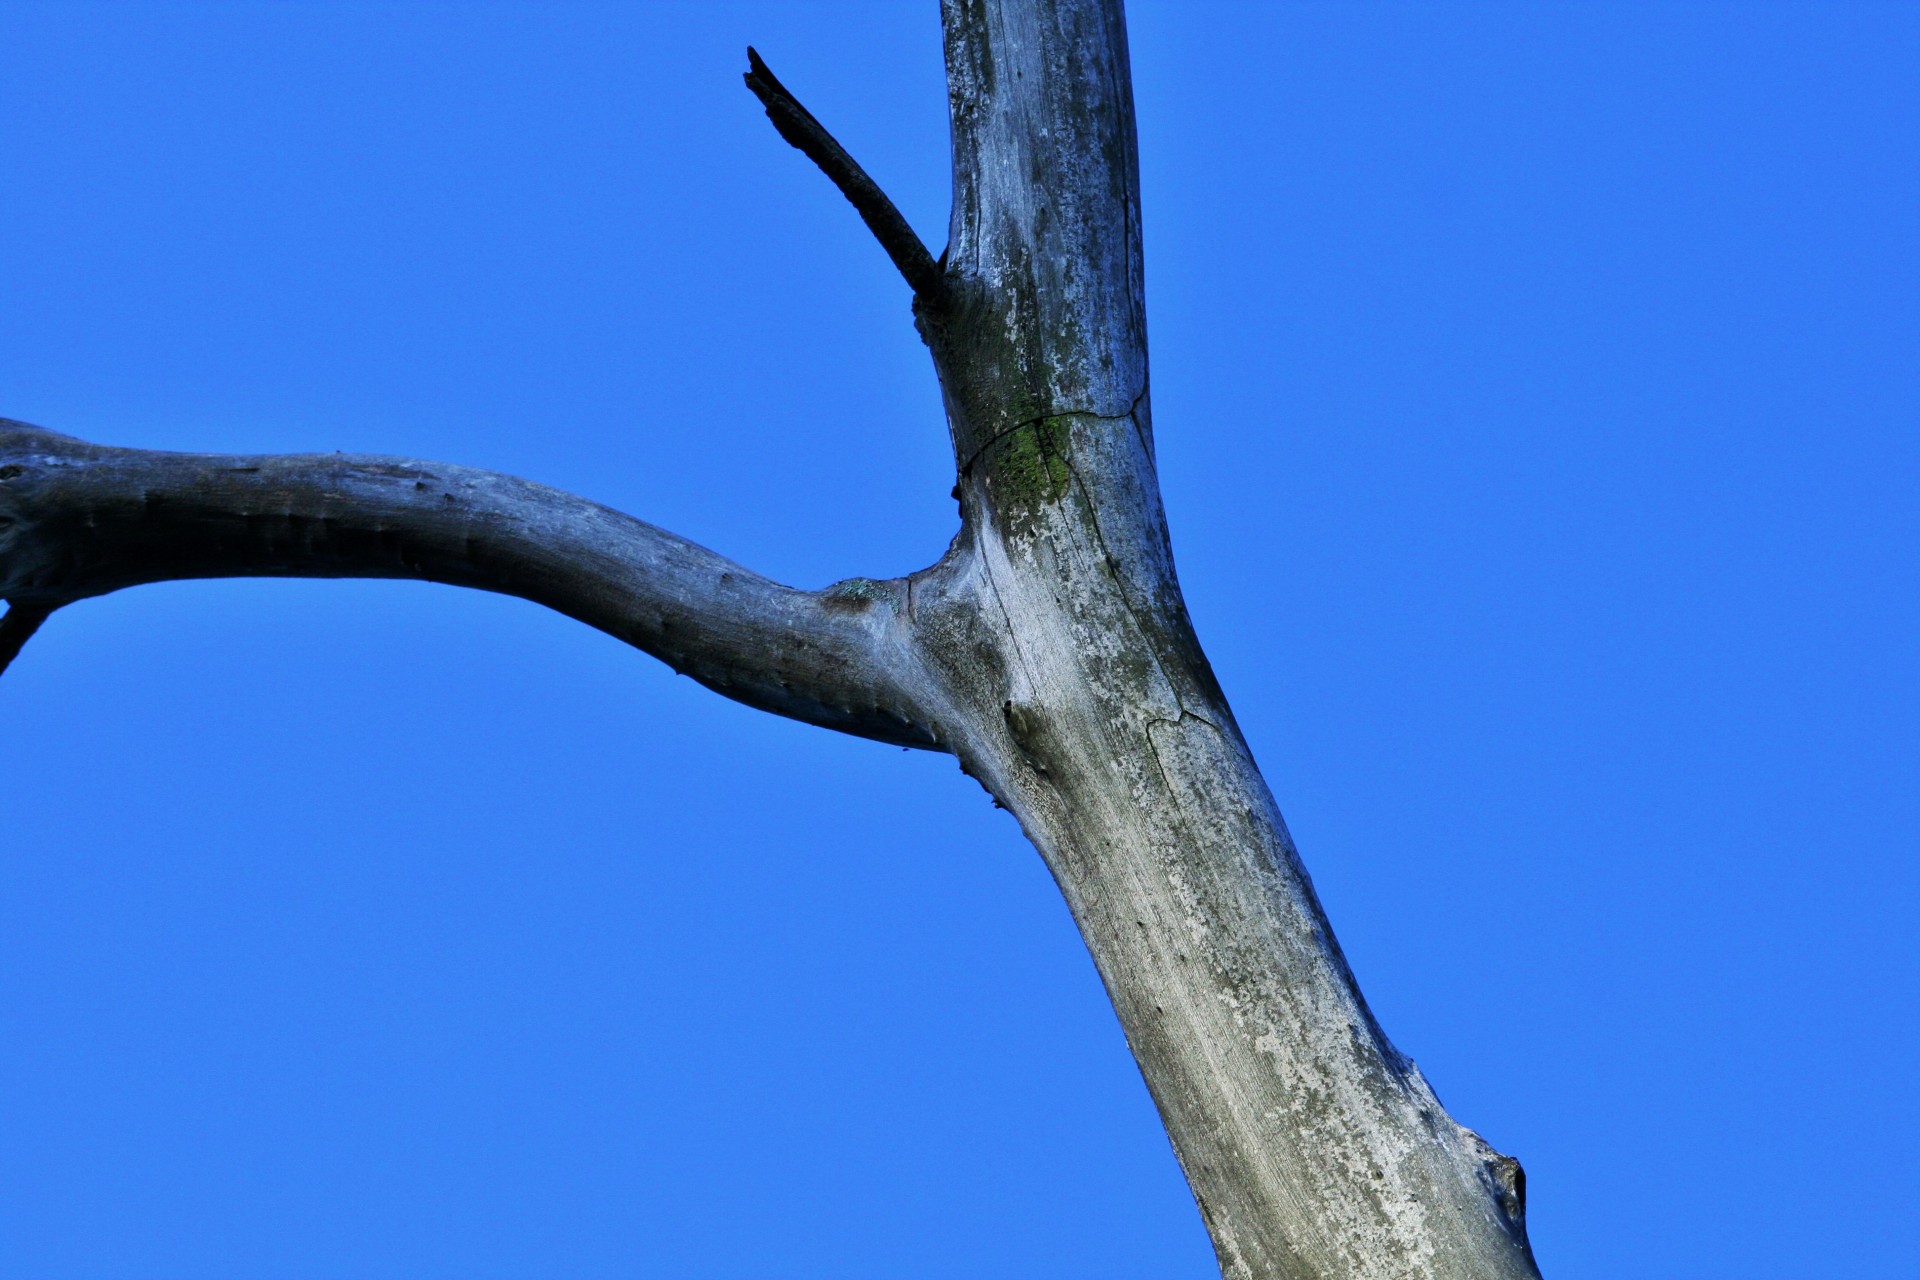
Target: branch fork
[1049,650]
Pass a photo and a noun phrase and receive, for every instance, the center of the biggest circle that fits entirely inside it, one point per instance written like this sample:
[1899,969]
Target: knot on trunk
[1026,725]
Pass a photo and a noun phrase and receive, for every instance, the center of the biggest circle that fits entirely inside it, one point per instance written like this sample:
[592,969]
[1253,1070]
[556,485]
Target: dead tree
[1048,649]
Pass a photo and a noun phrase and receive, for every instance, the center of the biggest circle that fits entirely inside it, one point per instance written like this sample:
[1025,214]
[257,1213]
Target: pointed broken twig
[797,125]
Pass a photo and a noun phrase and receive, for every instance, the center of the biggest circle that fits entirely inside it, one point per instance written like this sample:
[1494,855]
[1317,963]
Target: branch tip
[797,125]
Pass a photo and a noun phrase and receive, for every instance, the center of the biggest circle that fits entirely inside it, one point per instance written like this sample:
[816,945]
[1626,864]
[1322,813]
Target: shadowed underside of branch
[1049,650]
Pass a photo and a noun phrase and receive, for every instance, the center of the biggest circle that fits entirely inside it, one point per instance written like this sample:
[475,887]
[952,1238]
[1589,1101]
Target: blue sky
[1535,391]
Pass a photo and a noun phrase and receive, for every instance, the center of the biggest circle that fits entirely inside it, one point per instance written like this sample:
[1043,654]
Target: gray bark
[1049,650]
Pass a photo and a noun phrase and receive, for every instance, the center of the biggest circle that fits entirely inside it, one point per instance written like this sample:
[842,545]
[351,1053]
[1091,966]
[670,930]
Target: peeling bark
[1050,650]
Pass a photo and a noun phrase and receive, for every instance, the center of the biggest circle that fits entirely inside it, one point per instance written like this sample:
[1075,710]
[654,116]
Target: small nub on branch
[17,627]
[797,125]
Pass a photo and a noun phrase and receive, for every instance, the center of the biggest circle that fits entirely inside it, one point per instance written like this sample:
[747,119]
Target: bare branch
[79,520]
[797,125]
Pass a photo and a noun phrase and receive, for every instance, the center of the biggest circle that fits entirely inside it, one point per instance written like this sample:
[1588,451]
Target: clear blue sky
[1536,394]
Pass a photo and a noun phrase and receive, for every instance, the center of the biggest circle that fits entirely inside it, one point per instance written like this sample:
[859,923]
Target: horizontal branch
[80,520]
[797,125]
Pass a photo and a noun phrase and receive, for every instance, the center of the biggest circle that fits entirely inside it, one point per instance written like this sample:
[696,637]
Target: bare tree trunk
[1313,1148]
[1049,650]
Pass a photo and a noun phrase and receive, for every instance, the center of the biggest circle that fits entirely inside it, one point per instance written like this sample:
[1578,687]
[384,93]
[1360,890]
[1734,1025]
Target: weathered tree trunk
[1313,1148]
[1049,650]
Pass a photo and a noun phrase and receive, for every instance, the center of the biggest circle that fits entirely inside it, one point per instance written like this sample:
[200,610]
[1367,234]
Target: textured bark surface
[1313,1148]
[1049,650]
